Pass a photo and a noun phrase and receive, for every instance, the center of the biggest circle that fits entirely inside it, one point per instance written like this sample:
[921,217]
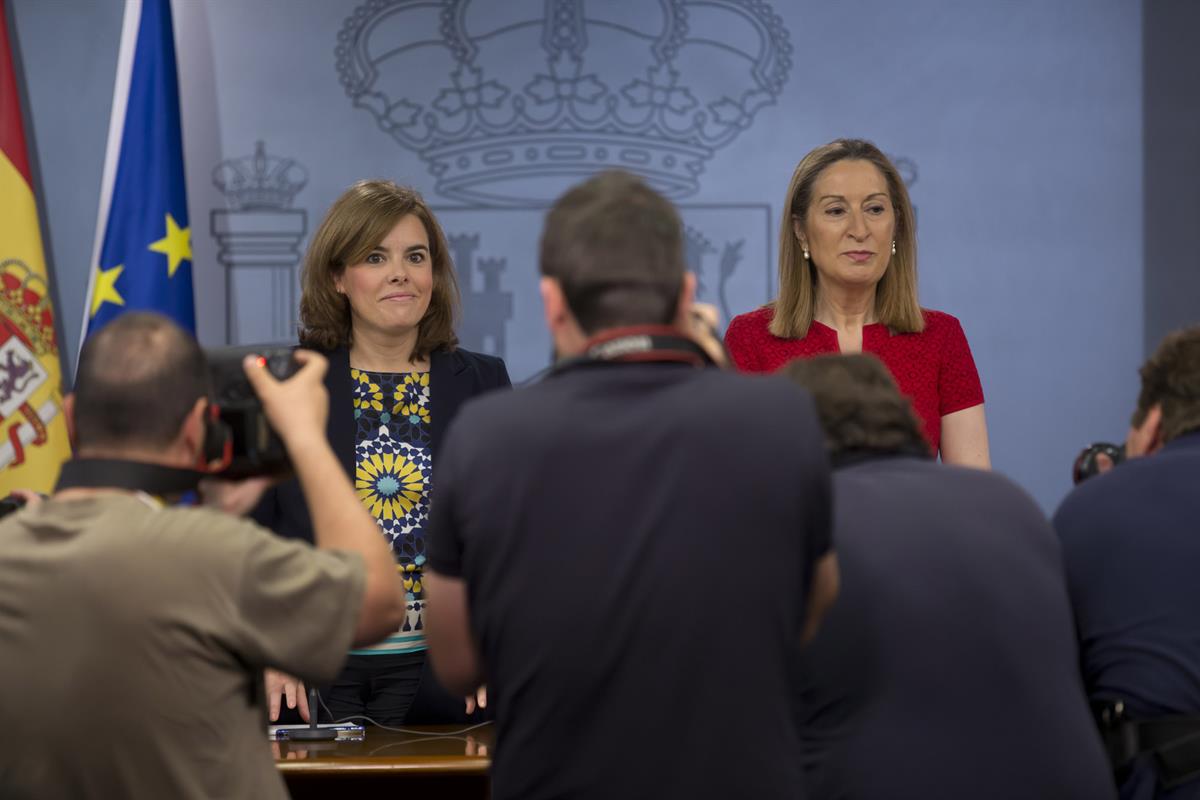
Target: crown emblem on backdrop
[508,103]
[259,181]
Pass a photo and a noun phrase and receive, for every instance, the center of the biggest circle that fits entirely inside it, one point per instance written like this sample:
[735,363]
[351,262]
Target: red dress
[934,367]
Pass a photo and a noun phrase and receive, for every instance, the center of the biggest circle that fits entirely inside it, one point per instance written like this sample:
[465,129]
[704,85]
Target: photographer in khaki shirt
[133,635]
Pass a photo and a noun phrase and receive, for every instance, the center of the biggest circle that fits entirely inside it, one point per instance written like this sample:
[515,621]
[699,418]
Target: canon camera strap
[642,343]
[111,473]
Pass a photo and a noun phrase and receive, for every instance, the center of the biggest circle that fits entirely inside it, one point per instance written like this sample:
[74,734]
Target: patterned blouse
[392,470]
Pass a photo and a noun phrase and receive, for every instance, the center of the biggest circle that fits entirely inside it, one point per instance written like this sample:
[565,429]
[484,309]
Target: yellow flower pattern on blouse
[412,578]
[412,398]
[368,394]
[389,485]
[393,467]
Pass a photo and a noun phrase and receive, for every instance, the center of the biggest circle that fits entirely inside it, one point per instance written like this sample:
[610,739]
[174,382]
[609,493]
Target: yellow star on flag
[176,245]
[105,288]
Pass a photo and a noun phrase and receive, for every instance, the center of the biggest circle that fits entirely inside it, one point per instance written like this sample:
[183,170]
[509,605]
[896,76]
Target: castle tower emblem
[534,95]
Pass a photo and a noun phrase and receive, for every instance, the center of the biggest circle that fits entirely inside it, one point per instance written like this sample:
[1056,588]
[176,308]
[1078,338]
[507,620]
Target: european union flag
[143,253]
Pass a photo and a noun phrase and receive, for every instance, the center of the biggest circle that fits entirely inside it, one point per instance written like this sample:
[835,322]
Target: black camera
[240,442]
[1089,462]
[10,504]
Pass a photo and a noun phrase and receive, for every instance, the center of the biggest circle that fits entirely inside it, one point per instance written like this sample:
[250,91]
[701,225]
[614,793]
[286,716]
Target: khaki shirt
[132,643]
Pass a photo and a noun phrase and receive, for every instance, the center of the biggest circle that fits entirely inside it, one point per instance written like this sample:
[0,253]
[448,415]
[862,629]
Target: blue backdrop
[1017,125]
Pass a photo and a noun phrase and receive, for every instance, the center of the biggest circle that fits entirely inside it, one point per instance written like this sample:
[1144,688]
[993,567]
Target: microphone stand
[312,733]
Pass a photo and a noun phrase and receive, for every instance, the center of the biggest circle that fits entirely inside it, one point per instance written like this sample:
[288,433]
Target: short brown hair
[138,378]
[861,409]
[1171,379]
[355,224]
[896,303]
[616,248]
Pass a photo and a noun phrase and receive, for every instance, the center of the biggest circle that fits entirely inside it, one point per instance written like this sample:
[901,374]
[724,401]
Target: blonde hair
[896,302]
[355,224]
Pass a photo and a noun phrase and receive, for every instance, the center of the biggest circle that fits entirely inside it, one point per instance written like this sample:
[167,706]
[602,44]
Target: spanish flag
[33,431]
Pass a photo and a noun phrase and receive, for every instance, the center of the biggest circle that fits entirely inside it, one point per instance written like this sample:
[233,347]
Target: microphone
[312,733]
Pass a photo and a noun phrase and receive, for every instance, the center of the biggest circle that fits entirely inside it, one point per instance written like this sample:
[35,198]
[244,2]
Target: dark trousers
[393,689]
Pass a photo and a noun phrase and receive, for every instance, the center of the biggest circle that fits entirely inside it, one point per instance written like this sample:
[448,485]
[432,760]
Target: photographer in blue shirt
[1131,548]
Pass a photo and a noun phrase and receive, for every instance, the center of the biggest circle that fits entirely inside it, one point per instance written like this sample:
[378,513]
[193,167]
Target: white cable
[424,734]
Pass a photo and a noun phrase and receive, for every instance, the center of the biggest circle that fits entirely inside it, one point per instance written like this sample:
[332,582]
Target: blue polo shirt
[1131,550]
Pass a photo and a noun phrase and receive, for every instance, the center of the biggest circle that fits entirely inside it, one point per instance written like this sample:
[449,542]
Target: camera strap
[138,476]
[639,344]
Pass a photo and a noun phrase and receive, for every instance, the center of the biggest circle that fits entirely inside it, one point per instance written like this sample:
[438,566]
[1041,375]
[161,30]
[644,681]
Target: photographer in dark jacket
[633,549]
[947,667]
[1131,547]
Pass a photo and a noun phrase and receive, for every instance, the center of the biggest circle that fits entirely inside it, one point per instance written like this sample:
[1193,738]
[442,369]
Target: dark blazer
[455,376]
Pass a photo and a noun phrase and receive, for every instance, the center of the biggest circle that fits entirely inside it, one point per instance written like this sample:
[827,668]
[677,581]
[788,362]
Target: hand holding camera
[704,320]
[297,407]
[262,397]
[1096,459]
[18,499]
[265,403]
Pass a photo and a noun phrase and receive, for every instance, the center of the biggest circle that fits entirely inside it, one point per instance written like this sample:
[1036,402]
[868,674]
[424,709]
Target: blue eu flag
[143,256]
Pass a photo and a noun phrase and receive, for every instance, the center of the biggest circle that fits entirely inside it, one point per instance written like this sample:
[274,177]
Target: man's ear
[554,303]
[569,339]
[1146,438]
[683,305]
[191,435]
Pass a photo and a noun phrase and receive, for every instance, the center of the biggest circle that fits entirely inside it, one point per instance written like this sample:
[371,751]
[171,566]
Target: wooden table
[440,766]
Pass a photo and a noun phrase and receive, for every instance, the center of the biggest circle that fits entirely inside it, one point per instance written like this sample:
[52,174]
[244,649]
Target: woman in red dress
[848,284]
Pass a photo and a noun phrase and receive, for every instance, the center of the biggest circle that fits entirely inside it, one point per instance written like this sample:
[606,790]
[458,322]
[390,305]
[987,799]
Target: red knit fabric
[934,368]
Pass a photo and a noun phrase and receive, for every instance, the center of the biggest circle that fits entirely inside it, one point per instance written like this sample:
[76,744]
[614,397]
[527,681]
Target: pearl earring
[893,247]
[806,254]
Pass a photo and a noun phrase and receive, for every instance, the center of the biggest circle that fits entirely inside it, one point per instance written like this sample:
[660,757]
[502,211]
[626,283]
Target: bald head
[138,378]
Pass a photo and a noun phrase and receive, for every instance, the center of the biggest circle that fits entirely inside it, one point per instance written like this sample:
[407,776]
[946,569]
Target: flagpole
[116,130]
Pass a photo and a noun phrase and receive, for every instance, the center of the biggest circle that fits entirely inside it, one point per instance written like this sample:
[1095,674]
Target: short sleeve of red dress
[934,368]
[958,380]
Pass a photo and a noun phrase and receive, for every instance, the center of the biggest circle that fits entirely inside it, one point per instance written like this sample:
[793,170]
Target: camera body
[239,437]
[10,504]
[1087,463]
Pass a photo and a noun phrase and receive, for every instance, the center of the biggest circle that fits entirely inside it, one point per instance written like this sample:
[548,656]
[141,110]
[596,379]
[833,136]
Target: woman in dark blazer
[379,299]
